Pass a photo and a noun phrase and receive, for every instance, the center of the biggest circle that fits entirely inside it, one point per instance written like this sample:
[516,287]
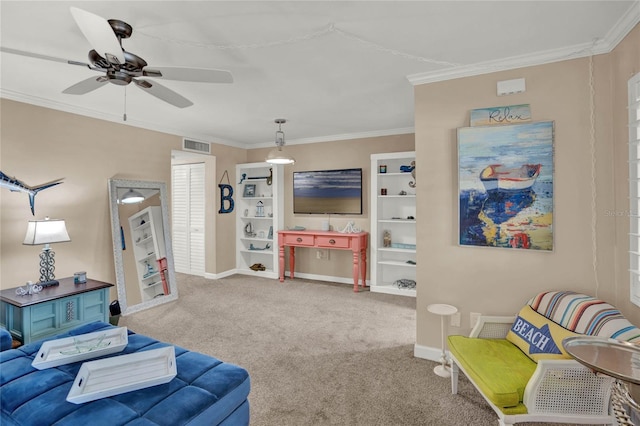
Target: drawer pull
[332,241]
[299,239]
[70,311]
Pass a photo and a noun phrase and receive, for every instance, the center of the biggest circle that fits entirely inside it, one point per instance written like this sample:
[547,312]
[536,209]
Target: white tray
[79,348]
[124,373]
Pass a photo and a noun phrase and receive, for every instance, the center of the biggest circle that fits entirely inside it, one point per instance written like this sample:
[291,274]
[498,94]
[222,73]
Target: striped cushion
[584,314]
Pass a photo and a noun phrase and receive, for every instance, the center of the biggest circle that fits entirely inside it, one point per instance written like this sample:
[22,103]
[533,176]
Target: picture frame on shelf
[249,190]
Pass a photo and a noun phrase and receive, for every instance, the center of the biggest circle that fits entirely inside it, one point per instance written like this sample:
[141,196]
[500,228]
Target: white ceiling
[333,69]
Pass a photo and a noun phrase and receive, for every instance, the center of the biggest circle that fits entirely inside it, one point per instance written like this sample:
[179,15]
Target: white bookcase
[393,213]
[259,208]
[147,235]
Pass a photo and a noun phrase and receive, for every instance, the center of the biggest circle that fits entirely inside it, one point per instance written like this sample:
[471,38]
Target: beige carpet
[317,353]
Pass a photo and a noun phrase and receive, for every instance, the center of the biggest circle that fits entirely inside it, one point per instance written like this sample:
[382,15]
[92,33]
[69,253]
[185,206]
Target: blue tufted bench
[206,391]
[6,341]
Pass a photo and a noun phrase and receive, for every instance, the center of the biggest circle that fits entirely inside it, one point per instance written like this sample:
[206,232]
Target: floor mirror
[142,251]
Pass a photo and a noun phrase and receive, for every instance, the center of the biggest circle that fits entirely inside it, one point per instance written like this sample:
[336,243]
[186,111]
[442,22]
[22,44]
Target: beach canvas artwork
[328,192]
[505,186]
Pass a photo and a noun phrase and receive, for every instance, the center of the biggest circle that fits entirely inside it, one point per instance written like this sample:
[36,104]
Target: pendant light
[277,155]
[132,197]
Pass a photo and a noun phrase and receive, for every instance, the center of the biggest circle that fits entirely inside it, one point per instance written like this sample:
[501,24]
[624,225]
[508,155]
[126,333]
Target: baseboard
[427,352]
[341,280]
[223,274]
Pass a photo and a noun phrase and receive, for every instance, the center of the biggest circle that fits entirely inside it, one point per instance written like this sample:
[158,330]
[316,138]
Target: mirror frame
[114,184]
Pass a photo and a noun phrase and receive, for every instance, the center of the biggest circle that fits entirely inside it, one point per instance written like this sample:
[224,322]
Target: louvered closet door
[180,217]
[188,218]
[196,219]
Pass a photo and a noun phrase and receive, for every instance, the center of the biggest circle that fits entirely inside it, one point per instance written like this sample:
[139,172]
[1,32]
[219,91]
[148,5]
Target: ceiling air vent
[195,146]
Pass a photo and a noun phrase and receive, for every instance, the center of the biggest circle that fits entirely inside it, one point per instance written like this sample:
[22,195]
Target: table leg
[292,261]
[442,370]
[281,262]
[620,400]
[356,270]
[363,267]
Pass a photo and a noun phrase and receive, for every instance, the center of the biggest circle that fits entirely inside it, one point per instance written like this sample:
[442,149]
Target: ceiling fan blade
[101,37]
[85,86]
[40,56]
[200,75]
[163,93]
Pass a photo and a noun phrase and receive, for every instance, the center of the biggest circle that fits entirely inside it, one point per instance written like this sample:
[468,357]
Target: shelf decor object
[444,369]
[47,232]
[393,222]
[249,190]
[80,348]
[124,373]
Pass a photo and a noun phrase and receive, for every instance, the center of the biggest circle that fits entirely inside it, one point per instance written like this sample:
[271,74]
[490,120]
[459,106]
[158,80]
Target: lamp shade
[131,197]
[46,232]
[278,156]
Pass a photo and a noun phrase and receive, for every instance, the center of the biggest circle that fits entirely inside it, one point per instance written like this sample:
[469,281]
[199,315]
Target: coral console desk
[356,242]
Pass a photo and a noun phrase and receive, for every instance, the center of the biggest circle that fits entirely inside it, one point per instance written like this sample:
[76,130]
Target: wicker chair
[521,389]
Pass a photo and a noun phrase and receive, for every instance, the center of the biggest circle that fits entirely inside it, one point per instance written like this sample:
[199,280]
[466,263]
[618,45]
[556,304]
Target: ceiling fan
[121,67]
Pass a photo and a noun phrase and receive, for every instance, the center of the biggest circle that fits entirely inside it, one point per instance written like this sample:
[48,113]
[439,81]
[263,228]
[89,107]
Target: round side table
[616,359]
[442,370]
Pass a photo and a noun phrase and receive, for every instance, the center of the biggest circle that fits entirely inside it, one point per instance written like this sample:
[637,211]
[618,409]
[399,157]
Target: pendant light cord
[592,142]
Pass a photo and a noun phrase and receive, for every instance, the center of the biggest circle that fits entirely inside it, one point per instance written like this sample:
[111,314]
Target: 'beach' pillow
[538,336]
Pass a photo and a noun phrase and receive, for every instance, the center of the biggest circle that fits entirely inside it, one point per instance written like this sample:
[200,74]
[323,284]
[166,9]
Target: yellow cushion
[498,368]
[538,336]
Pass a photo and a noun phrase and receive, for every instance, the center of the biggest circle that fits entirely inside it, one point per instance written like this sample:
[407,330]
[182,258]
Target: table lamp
[47,231]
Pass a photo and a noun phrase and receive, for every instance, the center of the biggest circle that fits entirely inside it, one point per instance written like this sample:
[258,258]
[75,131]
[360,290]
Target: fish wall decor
[16,185]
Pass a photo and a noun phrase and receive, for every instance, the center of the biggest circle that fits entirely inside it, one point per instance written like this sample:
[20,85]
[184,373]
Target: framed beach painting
[505,186]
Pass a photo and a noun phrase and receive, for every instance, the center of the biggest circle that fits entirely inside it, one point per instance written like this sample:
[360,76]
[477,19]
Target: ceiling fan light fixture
[277,155]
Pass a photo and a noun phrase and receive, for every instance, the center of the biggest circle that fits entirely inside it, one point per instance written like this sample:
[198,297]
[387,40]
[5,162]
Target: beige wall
[624,63]
[227,158]
[500,281]
[38,145]
[344,154]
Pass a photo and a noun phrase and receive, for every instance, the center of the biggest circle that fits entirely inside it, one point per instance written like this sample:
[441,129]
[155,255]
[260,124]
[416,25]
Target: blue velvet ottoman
[206,391]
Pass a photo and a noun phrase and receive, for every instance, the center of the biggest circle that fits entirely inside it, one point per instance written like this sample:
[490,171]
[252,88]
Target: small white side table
[443,310]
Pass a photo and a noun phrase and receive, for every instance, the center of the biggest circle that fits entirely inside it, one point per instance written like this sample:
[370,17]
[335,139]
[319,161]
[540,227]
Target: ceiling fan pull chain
[124,117]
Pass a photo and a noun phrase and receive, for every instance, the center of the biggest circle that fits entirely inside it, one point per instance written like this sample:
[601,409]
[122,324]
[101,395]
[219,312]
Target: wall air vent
[196,146]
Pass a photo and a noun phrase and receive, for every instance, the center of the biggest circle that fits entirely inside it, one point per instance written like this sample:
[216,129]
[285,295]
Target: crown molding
[340,137]
[87,112]
[624,25]
[359,135]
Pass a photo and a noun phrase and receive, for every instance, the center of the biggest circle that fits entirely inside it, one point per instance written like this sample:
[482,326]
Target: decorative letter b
[226,197]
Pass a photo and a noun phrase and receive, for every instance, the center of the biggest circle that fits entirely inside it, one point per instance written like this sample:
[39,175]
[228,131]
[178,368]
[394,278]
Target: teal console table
[53,310]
